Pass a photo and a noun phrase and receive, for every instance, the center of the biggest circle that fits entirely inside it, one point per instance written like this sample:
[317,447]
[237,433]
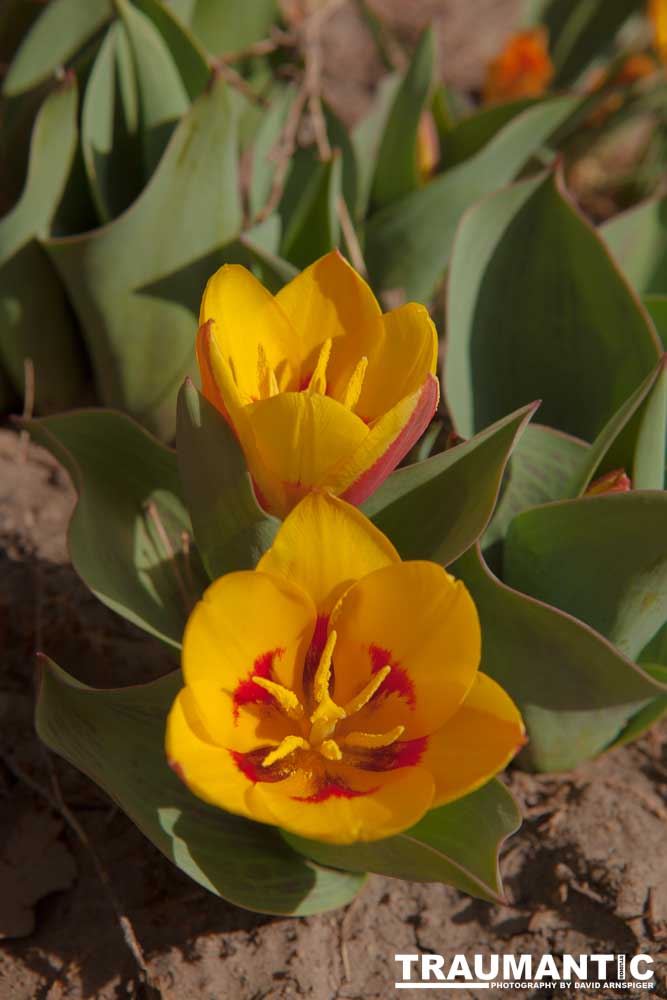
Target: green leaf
[126,534]
[367,136]
[536,308]
[397,170]
[580,32]
[142,345]
[649,715]
[313,229]
[602,559]
[469,136]
[163,98]
[576,692]
[228,25]
[656,307]
[58,34]
[231,530]
[457,844]
[638,240]
[110,137]
[267,135]
[542,465]
[409,243]
[117,739]
[438,508]
[189,57]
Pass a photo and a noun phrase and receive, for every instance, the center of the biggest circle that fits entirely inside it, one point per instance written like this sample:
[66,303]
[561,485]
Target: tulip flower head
[522,68]
[334,691]
[322,390]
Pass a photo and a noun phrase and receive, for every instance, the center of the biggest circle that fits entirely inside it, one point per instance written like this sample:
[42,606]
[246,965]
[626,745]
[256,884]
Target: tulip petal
[246,316]
[415,617]
[389,440]
[353,805]
[208,770]
[324,546]
[330,300]
[248,624]
[476,743]
[300,440]
[399,362]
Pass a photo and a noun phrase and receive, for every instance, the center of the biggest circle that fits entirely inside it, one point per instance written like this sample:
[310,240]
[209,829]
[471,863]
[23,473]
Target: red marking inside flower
[407,753]
[370,479]
[333,788]
[247,691]
[396,681]
[314,654]
[250,764]
[305,381]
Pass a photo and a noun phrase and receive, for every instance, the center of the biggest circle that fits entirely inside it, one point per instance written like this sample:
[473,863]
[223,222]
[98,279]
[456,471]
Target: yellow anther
[327,712]
[355,385]
[285,748]
[365,695]
[266,377]
[318,380]
[374,741]
[286,699]
[323,672]
[330,750]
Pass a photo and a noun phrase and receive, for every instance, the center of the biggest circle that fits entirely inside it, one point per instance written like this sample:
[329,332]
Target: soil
[587,873]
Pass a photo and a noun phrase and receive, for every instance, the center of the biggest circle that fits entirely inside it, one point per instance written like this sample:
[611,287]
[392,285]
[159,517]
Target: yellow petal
[415,617]
[325,545]
[221,720]
[476,743]
[353,805]
[208,770]
[245,315]
[330,300]
[389,440]
[400,361]
[248,624]
[299,440]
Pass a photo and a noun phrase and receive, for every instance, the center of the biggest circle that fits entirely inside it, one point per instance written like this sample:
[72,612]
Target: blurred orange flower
[522,68]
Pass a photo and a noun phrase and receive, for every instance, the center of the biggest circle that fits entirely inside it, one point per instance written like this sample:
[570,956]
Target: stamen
[330,750]
[327,713]
[285,748]
[374,741]
[266,377]
[355,385]
[318,380]
[286,699]
[365,695]
[323,672]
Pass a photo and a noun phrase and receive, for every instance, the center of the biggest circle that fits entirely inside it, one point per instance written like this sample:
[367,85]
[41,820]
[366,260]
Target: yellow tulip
[322,390]
[334,691]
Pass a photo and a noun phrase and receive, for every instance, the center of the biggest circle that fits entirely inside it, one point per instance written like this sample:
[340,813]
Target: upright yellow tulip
[322,390]
[335,691]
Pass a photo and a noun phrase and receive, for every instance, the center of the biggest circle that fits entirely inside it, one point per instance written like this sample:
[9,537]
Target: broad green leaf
[409,243]
[228,25]
[35,318]
[576,692]
[110,137]
[633,439]
[367,136]
[457,844]
[602,559]
[142,345]
[656,306]
[126,536]
[52,147]
[189,57]
[163,98]
[580,32]
[438,508]
[117,739]
[231,530]
[397,170]
[638,240]
[62,29]
[314,229]
[537,309]
[266,137]
[542,465]
[469,136]
[649,715]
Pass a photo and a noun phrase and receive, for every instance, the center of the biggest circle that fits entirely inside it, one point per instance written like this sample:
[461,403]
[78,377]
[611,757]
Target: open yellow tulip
[335,691]
[322,389]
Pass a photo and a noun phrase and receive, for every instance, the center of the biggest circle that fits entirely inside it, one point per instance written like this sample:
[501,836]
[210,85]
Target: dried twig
[350,234]
[278,40]
[235,80]
[153,513]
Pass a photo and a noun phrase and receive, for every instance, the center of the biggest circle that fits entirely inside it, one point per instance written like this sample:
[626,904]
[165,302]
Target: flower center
[267,380]
[320,726]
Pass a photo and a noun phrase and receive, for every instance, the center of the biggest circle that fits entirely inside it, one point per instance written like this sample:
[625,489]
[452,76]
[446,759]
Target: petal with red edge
[324,546]
[477,742]
[416,618]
